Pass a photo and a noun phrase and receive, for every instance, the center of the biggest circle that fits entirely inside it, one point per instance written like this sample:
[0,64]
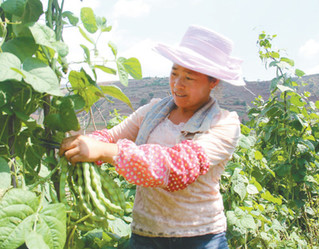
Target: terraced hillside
[229,97]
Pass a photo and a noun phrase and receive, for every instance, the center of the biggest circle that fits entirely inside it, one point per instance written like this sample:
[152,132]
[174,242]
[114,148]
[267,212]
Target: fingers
[77,149]
[72,155]
[67,144]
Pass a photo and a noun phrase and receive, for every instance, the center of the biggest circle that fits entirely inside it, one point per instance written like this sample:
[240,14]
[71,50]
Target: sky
[139,24]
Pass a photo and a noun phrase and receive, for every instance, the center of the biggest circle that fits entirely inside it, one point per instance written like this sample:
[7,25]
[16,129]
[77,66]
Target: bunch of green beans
[98,198]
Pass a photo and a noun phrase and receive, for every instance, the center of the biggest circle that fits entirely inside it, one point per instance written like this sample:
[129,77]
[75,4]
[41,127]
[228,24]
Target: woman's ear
[214,82]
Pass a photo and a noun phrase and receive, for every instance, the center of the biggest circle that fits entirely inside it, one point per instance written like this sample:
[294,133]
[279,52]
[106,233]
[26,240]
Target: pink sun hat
[205,51]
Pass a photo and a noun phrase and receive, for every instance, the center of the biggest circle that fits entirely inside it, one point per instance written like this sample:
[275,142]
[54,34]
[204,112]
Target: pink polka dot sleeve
[153,165]
[102,135]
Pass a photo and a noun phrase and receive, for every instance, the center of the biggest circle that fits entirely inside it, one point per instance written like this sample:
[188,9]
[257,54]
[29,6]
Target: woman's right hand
[81,148]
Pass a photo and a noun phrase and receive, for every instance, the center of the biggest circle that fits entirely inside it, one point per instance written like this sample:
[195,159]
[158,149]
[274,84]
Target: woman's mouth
[179,95]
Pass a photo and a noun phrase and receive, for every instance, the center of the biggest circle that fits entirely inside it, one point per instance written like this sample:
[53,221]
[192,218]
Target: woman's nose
[178,82]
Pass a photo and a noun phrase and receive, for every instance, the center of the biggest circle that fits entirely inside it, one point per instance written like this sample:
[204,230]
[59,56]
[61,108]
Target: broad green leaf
[33,10]
[68,116]
[287,60]
[299,73]
[116,92]
[274,83]
[52,225]
[277,226]
[88,20]
[86,53]
[5,176]
[82,86]
[240,219]
[119,227]
[106,69]
[73,20]
[240,189]
[256,184]
[61,48]
[41,77]
[246,141]
[317,104]
[258,155]
[7,62]
[26,119]
[6,92]
[307,94]
[274,55]
[307,143]
[65,120]
[19,214]
[262,36]
[17,209]
[45,36]
[78,101]
[239,182]
[123,75]
[35,240]
[14,7]
[101,23]
[252,189]
[248,222]
[53,121]
[113,48]
[299,170]
[22,47]
[245,130]
[42,34]
[283,169]
[284,88]
[296,100]
[82,32]
[106,28]
[133,67]
[269,197]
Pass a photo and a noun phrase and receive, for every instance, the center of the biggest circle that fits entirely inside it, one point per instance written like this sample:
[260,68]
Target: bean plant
[271,185]
[40,98]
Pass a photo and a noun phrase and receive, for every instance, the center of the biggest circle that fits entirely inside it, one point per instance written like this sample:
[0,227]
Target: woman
[175,149]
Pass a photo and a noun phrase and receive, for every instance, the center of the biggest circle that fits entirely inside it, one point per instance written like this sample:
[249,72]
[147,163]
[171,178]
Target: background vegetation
[270,187]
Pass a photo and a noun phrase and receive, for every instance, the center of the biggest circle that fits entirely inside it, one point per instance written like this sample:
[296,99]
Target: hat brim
[196,62]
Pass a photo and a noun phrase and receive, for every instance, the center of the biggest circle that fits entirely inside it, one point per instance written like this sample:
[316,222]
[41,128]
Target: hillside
[229,97]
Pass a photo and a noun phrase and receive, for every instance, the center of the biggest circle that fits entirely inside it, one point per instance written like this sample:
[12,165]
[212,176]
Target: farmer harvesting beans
[175,149]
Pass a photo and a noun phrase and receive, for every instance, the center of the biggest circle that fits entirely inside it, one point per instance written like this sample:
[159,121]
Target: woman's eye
[188,78]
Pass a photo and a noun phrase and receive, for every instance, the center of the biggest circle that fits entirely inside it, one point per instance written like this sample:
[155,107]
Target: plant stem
[44,179]
[11,125]
[92,118]
[4,127]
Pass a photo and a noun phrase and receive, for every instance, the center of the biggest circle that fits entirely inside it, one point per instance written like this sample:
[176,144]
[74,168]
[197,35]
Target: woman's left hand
[82,148]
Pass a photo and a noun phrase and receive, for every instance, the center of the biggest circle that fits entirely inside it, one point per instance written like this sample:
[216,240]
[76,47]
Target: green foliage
[37,109]
[271,185]
[24,218]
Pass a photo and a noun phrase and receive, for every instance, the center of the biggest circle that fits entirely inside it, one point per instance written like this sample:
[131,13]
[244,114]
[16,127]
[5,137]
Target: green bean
[87,179]
[53,194]
[96,184]
[85,201]
[113,190]
[63,175]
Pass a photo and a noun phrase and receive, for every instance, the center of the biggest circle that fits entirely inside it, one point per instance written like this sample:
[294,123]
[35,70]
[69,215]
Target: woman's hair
[217,91]
[211,78]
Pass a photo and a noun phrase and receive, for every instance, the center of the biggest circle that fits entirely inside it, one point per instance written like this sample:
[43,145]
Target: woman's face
[190,89]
